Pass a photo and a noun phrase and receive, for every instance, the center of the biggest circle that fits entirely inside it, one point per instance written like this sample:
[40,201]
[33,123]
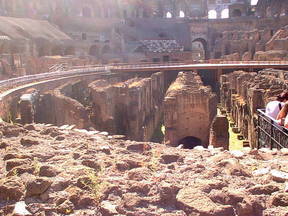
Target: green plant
[94,184]
[10,118]
[153,164]
[36,165]
[15,172]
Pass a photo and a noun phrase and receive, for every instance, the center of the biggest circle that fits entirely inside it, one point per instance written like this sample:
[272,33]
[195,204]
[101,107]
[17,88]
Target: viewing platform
[270,133]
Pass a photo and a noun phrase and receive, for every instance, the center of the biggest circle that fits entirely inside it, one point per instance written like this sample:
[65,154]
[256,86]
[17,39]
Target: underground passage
[190,142]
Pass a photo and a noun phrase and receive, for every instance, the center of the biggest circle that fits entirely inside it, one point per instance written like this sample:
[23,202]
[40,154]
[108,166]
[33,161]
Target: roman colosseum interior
[143,107]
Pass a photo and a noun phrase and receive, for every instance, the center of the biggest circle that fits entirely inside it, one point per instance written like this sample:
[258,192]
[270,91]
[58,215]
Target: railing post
[271,134]
[258,131]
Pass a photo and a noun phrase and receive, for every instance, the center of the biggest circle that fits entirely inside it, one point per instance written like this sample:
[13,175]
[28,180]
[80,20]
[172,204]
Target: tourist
[273,108]
[282,117]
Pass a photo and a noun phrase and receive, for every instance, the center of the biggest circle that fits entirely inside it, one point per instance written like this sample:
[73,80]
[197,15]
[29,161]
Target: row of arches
[212,14]
[96,51]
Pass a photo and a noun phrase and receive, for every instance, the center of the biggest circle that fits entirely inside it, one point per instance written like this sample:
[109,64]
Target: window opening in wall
[168,15]
[84,36]
[93,51]
[212,14]
[166,58]
[156,60]
[125,14]
[86,12]
[225,13]
[181,14]
[236,13]
[162,35]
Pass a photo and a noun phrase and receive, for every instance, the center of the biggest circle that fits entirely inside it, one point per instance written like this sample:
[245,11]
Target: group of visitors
[278,109]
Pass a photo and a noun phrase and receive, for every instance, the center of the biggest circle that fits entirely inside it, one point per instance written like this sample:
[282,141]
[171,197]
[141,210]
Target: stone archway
[57,50]
[86,12]
[236,13]
[69,50]
[106,49]
[200,46]
[212,14]
[93,51]
[190,142]
[169,15]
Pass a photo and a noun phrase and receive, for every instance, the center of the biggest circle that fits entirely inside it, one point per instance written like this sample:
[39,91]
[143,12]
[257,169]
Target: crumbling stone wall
[189,108]
[132,108]
[219,132]
[269,43]
[56,108]
[242,93]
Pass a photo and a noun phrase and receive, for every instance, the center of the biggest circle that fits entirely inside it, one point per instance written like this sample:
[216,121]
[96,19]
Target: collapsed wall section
[132,108]
[242,93]
[189,108]
[58,106]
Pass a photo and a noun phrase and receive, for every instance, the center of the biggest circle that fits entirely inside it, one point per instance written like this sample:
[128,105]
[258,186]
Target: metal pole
[271,134]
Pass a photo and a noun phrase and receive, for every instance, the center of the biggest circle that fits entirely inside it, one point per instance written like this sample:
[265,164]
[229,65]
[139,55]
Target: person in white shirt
[273,108]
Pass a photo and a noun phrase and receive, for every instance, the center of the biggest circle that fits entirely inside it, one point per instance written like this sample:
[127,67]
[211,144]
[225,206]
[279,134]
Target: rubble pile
[47,170]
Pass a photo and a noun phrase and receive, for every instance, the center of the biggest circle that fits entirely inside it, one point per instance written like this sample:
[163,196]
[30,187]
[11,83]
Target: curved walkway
[145,67]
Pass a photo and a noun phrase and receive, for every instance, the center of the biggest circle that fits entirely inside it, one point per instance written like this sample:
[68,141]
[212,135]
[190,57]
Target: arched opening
[137,13]
[218,55]
[14,49]
[43,51]
[69,51]
[236,13]
[84,36]
[227,49]
[57,50]
[166,58]
[105,49]
[212,14]
[93,51]
[162,35]
[146,14]
[121,119]
[225,13]
[190,142]
[86,12]
[181,14]
[199,49]
[168,15]
[124,14]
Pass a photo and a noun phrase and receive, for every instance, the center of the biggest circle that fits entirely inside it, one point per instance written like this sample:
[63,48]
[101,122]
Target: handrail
[10,83]
[64,70]
[270,133]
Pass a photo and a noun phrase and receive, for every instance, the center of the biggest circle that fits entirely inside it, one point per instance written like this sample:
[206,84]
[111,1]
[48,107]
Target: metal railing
[14,82]
[62,70]
[58,67]
[270,133]
[202,62]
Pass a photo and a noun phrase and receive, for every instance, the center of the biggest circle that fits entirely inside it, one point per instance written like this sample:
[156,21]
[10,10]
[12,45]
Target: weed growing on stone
[153,164]
[10,118]
[36,166]
[94,184]
[15,172]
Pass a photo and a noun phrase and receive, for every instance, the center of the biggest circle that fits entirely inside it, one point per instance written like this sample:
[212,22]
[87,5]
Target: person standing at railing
[282,115]
[273,108]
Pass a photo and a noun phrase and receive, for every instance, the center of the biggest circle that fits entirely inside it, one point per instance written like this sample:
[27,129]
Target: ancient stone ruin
[189,108]
[143,108]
